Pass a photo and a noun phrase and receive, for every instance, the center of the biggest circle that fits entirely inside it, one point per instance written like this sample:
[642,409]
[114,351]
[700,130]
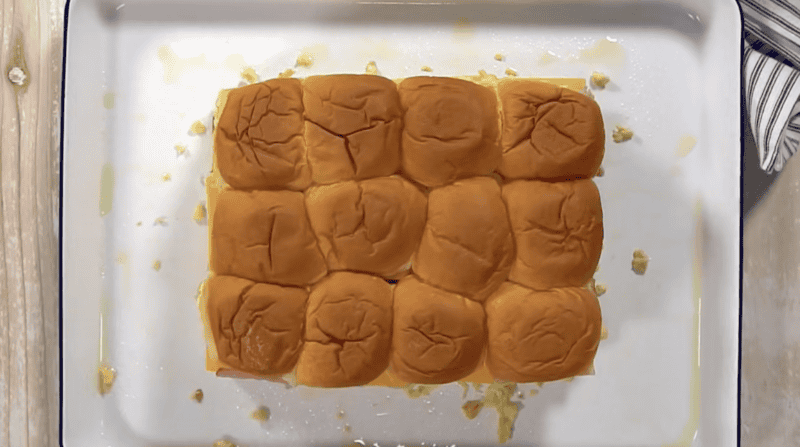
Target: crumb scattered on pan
[249,75]
[346,428]
[599,79]
[588,92]
[340,414]
[511,72]
[261,414]
[180,149]
[199,213]
[499,57]
[426,68]
[372,68]
[622,134]
[472,408]
[224,443]
[600,172]
[305,60]
[540,384]
[640,260]
[139,224]
[600,289]
[122,258]
[105,378]
[160,221]
[198,395]
[465,386]
[498,396]
[156,265]
[288,73]
[197,127]
[166,177]
[416,391]
[603,332]
[534,392]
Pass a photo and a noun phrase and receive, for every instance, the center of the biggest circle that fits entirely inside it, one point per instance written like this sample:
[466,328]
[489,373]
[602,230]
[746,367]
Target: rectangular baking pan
[139,73]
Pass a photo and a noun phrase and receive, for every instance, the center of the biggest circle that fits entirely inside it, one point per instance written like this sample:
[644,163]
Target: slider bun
[541,336]
[257,328]
[264,236]
[348,331]
[353,126]
[451,130]
[438,335]
[370,226]
[558,229]
[549,132]
[467,246]
[258,140]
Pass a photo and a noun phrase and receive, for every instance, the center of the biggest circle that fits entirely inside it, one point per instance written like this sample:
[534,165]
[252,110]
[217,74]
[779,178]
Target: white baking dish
[139,73]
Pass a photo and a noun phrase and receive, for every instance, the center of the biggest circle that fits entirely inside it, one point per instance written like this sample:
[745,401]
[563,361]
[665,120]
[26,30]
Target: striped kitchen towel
[771,70]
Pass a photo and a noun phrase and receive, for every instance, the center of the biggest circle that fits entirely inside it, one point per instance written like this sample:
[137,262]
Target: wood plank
[29,193]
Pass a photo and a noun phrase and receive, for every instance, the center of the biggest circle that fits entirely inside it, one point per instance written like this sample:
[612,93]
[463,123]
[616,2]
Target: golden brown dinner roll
[438,335]
[353,126]
[541,336]
[258,140]
[257,328]
[558,230]
[549,132]
[370,226]
[264,236]
[467,246]
[451,130]
[348,331]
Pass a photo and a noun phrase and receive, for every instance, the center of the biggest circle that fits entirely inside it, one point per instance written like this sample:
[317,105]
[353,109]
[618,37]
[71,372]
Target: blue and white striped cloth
[771,70]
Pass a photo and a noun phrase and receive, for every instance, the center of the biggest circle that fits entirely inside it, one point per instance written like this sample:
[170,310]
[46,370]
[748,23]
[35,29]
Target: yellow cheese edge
[215,185]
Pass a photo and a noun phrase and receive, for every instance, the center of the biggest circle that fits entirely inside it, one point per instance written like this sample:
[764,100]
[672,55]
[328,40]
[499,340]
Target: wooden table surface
[30,100]
[31,58]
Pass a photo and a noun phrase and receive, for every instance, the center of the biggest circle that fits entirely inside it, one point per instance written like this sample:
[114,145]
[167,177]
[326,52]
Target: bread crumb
[261,414]
[198,395]
[199,213]
[160,221]
[472,408]
[197,128]
[224,443]
[600,289]
[511,72]
[600,172]
[139,224]
[288,73]
[540,384]
[166,177]
[499,57]
[622,134]
[534,392]
[464,385]
[105,376]
[249,75]
[415,391]
[599,79]
[372,68]
[156,265]
[587,92]
[347,428]
[180,149]
[639,263]
[304,60]
[426,68]
[603,332]
[340,414]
